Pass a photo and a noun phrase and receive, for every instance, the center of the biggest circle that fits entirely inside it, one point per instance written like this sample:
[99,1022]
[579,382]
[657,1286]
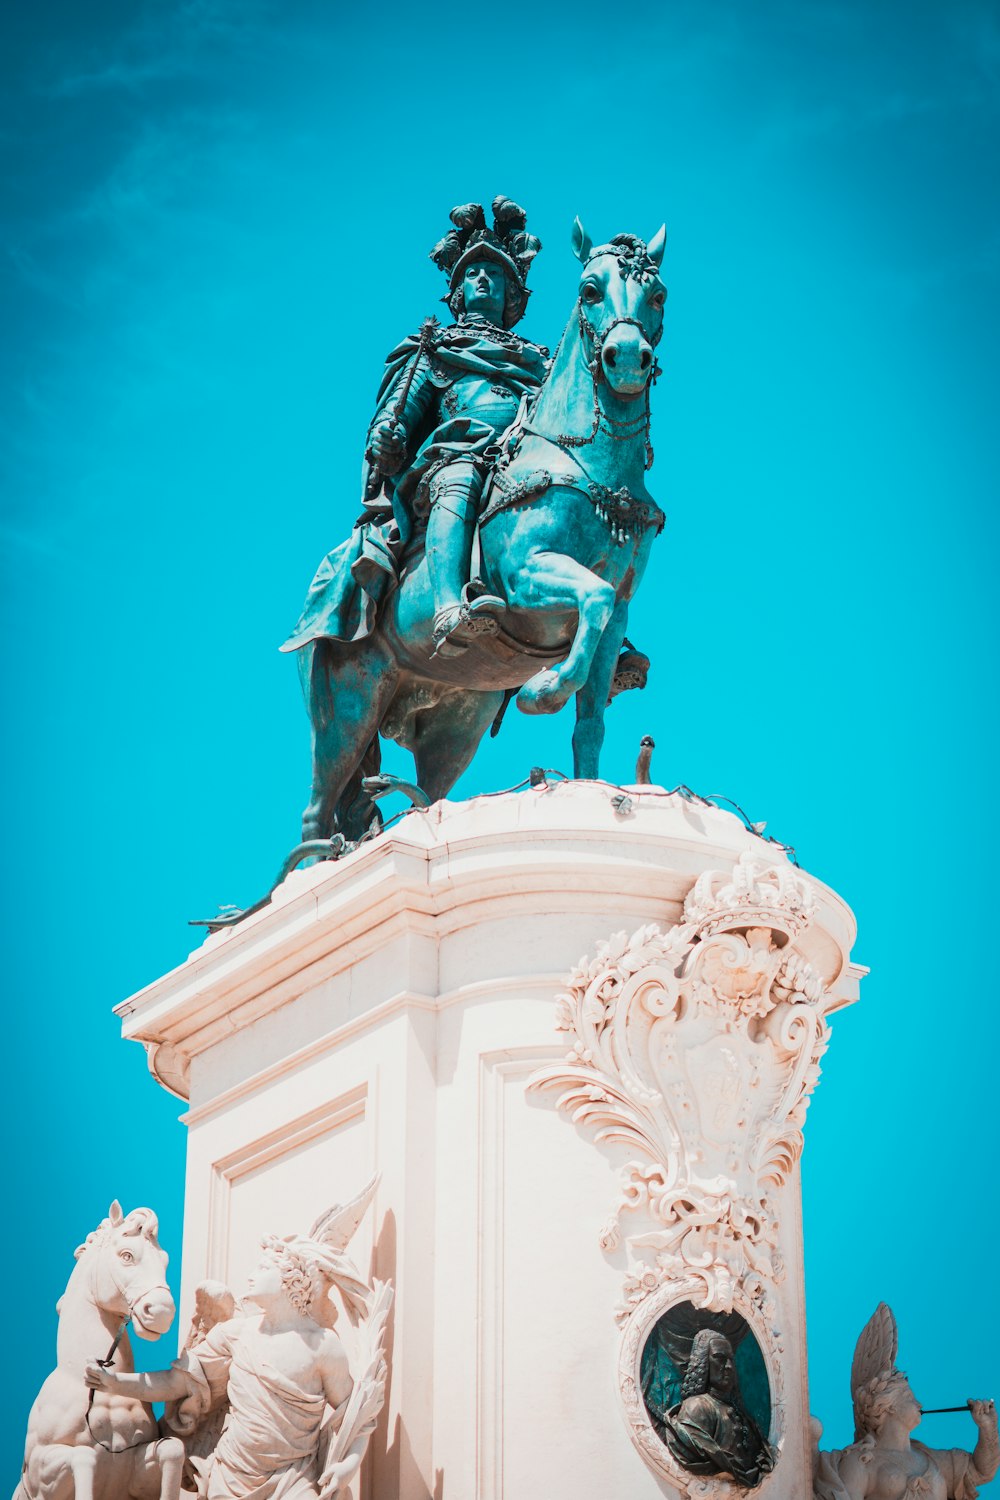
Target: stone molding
[418,883]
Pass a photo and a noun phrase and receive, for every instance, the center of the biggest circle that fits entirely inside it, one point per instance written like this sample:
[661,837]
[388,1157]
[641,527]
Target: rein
[622,511]
[632,426]
[108,1361]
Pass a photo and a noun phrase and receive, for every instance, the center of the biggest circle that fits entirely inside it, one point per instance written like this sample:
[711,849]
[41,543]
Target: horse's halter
[108,1359]
[594,339]
[130,1302]
[630,427]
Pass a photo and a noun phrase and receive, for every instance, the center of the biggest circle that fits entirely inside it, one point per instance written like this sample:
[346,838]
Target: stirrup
[457,626]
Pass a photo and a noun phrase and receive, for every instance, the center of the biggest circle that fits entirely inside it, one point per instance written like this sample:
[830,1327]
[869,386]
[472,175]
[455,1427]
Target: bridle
[629,427]
[108,1359]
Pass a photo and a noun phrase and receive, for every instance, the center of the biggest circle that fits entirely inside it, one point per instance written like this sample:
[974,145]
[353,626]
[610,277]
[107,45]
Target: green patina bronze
[506,522]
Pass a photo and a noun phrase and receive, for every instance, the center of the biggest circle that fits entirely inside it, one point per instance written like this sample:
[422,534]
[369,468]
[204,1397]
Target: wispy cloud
[169,45]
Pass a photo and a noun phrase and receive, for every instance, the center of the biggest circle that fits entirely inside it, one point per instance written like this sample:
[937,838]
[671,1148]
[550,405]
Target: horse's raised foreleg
[592,699]
[159,1470]
[553,581]
[447,736]
[347,693]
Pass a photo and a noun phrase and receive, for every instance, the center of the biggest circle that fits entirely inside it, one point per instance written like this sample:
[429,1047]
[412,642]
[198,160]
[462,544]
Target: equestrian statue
[506,523]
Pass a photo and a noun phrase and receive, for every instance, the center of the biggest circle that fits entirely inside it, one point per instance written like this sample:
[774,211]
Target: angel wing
[366,1399]
[338,1225]
[875,1352]
[213,1303]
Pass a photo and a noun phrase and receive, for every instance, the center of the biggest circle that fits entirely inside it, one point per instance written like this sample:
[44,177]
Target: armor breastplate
[474,396]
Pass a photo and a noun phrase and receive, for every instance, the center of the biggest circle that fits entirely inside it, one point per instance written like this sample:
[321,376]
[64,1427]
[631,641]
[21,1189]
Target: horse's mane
[141,1221]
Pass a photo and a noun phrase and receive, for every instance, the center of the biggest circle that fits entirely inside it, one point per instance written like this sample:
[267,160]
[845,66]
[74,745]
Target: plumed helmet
[507,244]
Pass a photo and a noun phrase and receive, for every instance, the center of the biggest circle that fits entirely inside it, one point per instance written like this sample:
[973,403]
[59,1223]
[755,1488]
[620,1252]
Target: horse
[564,536]
[87,1446]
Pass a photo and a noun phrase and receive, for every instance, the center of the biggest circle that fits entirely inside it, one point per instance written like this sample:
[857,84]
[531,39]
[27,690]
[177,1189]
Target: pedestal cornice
[436,872]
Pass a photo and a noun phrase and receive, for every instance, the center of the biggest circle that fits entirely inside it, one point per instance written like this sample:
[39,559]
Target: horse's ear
[657,245]
[115,1214]
[582,243]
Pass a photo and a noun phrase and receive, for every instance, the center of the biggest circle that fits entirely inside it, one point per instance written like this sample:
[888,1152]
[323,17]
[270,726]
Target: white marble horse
[85,1445]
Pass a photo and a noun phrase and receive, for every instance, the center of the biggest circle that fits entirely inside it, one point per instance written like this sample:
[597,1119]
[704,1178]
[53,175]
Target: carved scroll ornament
[698,1048]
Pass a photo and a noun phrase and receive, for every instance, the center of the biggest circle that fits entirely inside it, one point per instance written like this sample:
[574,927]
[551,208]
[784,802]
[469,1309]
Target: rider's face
[484,289]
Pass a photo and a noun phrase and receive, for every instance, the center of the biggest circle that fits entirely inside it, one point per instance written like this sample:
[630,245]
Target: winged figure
[263,1395]
[884,1462]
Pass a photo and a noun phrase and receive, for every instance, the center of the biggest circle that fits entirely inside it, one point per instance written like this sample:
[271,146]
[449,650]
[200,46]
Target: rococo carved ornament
[698,1047]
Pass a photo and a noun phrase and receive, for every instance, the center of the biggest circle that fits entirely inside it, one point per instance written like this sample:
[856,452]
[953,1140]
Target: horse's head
[621,307]
[126,1270]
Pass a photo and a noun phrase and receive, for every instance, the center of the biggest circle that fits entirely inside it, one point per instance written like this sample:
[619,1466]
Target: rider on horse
[446,397]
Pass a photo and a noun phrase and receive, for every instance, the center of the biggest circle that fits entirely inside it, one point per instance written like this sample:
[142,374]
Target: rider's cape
[353,579]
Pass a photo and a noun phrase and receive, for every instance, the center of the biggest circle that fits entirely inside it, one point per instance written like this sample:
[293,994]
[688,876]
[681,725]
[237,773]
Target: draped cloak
[271,1442]
[352,580]
[710,1436]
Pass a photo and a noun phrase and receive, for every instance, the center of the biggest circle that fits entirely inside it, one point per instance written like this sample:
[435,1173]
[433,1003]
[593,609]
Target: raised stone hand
[984,1414]
[388,446]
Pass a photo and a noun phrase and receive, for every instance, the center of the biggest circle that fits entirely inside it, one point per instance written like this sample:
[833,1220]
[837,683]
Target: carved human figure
[297,1425]
[885,1462]
[710,1431]
[446,396]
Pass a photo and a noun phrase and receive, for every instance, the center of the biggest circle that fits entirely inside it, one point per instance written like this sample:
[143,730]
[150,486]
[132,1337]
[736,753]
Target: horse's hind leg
[346,698]
[592,699]
[553,581]
[447,736]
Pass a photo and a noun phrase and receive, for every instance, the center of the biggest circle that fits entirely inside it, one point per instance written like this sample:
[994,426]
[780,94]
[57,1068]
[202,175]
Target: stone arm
[964,1472]
[337,1387]
[335,1372]
[155,1385]
[986,1454]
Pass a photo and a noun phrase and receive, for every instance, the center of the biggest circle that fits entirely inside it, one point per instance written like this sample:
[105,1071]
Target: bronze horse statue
[564,536]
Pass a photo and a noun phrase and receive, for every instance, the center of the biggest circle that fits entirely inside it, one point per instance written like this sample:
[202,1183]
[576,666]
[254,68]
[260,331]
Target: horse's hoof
[544,694]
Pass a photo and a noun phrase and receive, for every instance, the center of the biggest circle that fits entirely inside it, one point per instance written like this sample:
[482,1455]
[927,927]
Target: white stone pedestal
[386,1013]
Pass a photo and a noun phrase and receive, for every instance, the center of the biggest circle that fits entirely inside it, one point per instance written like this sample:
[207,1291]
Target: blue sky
[216,219]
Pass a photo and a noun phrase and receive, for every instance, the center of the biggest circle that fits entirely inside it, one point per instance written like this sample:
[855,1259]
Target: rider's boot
[458,617]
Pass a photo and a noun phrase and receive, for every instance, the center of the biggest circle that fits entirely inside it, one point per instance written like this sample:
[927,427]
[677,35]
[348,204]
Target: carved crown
[754,894]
